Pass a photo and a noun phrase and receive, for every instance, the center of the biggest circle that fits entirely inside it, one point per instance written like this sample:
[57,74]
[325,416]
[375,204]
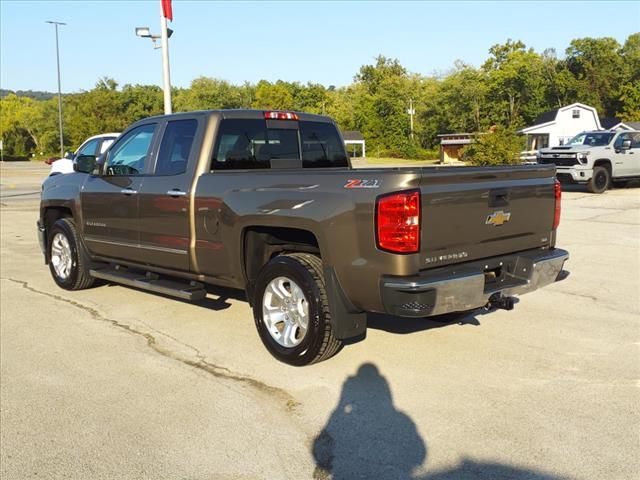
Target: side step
[184,289]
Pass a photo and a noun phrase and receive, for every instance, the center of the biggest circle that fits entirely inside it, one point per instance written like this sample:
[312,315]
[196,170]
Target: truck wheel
[69,262]
[600,180]
[291,310]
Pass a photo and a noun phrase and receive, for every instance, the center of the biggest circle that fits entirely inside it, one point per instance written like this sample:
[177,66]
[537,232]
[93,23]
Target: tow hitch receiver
[499,301]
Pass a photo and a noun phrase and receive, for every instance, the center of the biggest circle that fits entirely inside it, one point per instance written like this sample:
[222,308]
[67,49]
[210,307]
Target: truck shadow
[367,437]
[405,325]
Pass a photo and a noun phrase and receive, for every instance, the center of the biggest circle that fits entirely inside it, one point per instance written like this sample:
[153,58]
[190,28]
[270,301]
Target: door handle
[128,191]
[176,193]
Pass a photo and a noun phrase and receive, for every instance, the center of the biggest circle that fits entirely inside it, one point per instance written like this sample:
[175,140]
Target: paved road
[117,383]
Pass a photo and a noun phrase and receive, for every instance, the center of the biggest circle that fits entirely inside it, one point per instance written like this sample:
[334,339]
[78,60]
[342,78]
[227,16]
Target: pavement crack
[199,362]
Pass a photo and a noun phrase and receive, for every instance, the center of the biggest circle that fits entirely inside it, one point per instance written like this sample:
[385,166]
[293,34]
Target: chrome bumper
[470,285]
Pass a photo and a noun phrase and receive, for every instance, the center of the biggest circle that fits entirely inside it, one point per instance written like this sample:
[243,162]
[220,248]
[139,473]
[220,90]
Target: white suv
[597,159]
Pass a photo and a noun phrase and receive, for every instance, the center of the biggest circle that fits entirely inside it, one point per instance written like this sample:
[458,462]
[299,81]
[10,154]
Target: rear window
[321,145]
[258,144]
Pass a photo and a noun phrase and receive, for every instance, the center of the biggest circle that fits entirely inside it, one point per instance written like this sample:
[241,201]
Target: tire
[69,262]
[600,180]
[298,279]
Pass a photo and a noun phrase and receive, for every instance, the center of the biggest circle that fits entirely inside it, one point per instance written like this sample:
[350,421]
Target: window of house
[576,113]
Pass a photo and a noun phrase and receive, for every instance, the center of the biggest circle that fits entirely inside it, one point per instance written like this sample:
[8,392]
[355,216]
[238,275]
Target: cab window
[176,147]
[89,148]
[130,154]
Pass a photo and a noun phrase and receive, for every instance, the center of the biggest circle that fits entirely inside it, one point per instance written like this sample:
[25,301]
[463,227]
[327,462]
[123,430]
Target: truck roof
[247,114]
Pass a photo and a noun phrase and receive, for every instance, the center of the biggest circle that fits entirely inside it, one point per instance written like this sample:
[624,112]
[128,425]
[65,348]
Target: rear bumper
[468,286]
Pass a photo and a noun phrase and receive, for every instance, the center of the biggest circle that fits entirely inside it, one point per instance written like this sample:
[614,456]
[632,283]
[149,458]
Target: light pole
[411,111]
[55,24]
[145,32]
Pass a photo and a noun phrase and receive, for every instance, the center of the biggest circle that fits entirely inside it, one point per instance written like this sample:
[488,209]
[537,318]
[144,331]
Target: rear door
[472,213]
[110,200]
[165,197]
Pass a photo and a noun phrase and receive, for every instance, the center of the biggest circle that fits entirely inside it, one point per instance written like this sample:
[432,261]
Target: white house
[555,127]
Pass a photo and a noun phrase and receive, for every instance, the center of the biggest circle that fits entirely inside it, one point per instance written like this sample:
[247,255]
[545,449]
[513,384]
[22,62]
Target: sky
[305,41]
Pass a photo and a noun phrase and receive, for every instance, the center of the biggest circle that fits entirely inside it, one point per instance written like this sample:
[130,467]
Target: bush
[500,147]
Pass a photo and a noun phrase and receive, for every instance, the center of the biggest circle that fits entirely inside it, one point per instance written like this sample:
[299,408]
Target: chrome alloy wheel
[61,256]
[285,311]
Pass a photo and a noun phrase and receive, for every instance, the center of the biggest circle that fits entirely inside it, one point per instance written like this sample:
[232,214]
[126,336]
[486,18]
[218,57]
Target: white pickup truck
[597,159]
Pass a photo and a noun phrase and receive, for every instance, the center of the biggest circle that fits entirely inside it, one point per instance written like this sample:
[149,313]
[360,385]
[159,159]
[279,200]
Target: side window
[635,140]
[129,155]
[176,147]
[89,148]
[621,138]
[106,143]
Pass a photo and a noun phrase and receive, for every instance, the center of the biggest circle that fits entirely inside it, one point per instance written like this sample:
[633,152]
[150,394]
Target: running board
[184,289]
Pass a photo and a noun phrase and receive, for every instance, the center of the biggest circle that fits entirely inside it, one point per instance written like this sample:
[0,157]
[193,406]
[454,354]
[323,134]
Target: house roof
[549,117]
[545,117]
[609,122]
[352,135]
[634,125]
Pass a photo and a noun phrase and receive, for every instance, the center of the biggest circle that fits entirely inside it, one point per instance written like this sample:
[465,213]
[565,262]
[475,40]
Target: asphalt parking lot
[116,383]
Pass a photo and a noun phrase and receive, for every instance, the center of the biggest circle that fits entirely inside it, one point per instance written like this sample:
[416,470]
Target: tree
[501,146]
[599,70]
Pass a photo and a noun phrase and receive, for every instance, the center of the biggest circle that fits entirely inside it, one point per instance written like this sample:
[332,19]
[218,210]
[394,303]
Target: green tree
[599,70]
[501,146]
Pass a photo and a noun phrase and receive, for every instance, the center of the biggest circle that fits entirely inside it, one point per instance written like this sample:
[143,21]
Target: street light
[145,32]
[56,24]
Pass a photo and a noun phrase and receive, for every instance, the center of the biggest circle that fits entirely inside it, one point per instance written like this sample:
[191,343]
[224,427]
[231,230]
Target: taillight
[558,197]
[398,222]
[281,115]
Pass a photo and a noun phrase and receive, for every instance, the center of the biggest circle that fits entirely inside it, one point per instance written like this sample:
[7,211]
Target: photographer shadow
[366,437]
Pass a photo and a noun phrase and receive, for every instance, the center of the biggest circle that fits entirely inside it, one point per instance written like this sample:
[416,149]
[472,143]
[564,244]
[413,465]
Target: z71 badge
[358,183]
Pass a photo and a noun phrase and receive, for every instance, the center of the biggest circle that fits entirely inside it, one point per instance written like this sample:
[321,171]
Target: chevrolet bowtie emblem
[498,218]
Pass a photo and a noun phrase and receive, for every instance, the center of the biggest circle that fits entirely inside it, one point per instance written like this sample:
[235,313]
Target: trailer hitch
[499,301]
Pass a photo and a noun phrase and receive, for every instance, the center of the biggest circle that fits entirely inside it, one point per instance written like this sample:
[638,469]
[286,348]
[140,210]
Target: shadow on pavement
[366,437]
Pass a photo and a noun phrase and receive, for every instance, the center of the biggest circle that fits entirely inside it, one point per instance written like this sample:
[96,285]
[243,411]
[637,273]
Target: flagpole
[165,62]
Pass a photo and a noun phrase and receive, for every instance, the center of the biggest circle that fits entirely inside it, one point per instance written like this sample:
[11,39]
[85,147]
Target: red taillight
[558,196]
[398,222]
[281,115]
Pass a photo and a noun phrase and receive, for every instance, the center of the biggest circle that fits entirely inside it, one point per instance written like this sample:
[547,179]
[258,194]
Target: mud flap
[347,321]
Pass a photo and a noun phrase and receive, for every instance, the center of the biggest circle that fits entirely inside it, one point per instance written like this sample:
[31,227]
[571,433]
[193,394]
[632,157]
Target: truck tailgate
[472,213]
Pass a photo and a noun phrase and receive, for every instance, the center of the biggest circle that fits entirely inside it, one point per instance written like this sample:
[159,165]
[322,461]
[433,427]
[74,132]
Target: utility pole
[411,113]
[55,24]
[164,40]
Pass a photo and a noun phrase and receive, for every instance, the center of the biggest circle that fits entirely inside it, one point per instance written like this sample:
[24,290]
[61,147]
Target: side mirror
[85,164]
[68,155]
[626,145]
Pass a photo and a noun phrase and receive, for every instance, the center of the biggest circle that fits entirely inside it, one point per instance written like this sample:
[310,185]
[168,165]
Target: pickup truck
[267,202]
[597,159]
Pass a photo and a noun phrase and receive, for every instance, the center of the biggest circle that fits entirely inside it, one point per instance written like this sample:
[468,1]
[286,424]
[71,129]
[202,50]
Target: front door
[627,161]
[110,200]
[164,198]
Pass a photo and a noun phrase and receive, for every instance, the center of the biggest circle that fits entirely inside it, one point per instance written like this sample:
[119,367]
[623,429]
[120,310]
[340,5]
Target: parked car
[96,145]
[267,202]
[597,159]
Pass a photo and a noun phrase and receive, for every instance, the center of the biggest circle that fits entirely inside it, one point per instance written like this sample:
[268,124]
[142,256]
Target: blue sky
[324,42]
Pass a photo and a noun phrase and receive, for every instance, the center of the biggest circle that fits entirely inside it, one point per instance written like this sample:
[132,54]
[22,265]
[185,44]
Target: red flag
[166,9]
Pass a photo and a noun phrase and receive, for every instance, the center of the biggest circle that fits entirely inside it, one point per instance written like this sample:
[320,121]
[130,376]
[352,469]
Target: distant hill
[36,95]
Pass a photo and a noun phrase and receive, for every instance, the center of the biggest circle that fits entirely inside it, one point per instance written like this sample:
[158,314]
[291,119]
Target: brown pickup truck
[267,202]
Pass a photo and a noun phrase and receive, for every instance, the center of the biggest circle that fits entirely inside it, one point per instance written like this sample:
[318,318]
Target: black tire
[319,342]
[78,277]
[600,180]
